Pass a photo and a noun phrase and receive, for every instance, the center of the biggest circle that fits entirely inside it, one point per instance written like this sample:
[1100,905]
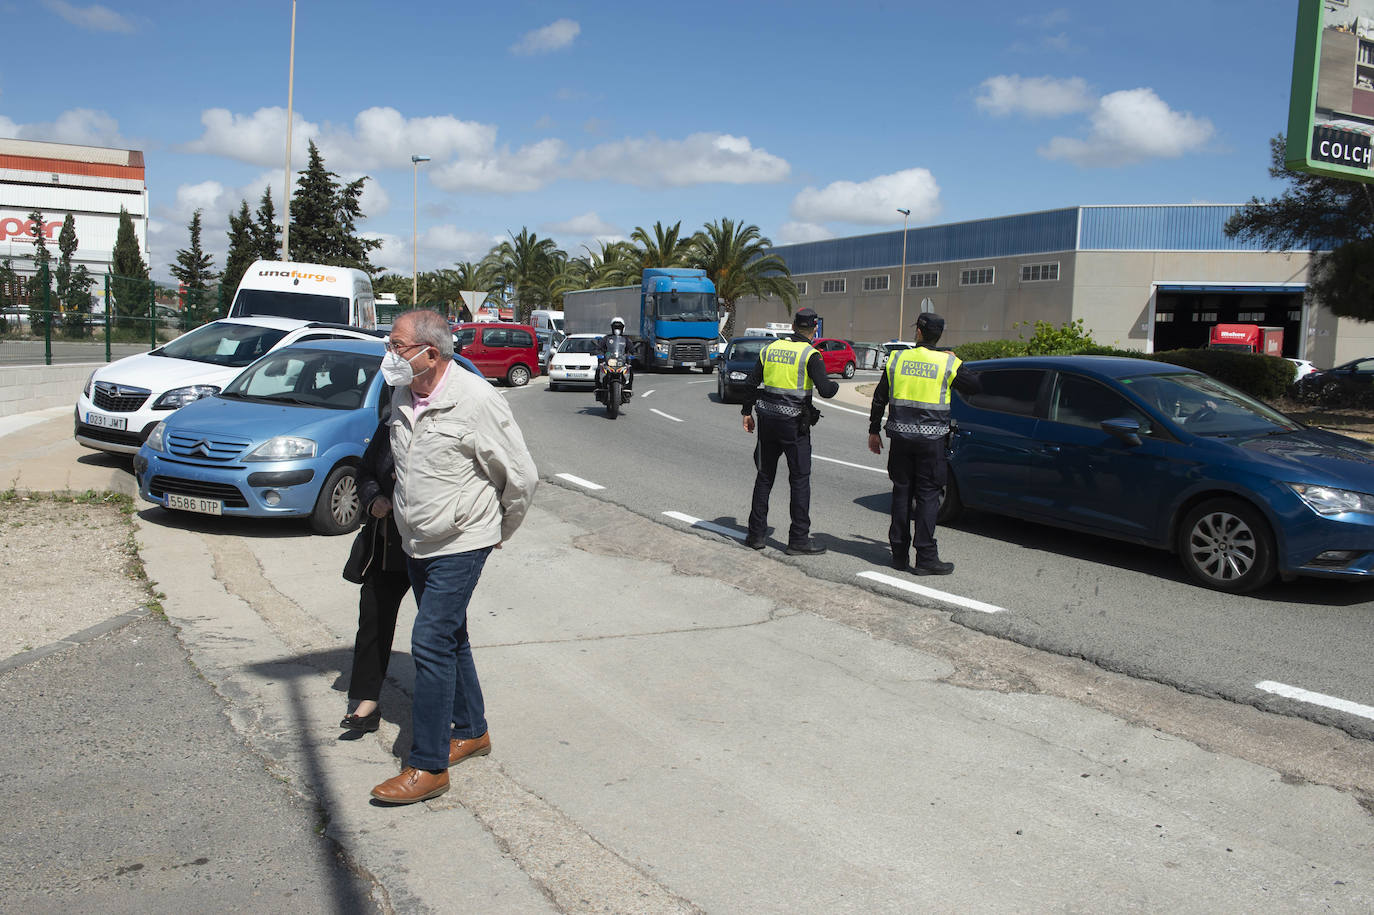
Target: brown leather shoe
[411,785]
[459,750]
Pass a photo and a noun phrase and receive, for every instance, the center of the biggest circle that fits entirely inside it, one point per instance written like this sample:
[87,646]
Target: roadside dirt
[67,565]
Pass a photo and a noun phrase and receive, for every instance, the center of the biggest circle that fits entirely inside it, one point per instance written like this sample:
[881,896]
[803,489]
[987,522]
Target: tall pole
[286,197]
[414,230]
[901,294]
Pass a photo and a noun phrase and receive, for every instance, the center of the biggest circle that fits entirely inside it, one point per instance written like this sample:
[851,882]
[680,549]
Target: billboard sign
[1331,104]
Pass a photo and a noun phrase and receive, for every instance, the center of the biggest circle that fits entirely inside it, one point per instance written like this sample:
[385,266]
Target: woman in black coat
[379,564]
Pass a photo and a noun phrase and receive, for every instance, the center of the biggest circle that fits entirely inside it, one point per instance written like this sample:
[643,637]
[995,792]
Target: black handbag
[361,553]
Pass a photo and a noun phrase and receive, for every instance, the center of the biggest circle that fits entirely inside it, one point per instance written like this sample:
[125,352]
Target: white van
[775,329]
[307,292]
[543,319]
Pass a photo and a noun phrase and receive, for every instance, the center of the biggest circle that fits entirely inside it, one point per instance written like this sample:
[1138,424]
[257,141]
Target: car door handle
[1049,449]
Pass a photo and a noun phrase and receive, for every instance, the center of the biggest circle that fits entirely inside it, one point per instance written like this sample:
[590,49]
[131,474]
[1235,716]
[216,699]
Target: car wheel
[518,376]
[1226,544]
[849,370]
[338,508]
[950,504]
[720,388]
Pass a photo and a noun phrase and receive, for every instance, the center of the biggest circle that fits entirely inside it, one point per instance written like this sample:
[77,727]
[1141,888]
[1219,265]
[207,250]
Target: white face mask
[397,371]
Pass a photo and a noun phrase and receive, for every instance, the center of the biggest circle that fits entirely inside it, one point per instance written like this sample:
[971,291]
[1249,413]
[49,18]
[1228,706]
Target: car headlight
[283,448]
[87,389]
[662,348]
[1327,500]
[154,440]
[738,376]
[180,397]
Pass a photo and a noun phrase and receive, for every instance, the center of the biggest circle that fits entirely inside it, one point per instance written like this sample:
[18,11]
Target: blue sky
[581,121]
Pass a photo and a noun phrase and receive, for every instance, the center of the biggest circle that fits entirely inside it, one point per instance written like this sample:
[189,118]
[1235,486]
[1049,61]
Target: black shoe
[899,562]
[366,723]
[810,548]
[755,544]
[933,567]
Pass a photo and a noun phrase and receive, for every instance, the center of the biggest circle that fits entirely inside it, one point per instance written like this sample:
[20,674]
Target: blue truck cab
[679,321]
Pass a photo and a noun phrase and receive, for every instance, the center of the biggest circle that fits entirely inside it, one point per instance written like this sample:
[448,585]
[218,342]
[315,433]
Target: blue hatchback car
[1167,457]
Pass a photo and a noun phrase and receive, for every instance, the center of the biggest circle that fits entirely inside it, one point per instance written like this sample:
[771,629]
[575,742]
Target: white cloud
[701,158]
[95,17]
[439,246]
[500,171]
[792,233]
[1034,96]
[587,224]
[78,126]
[871,202]
[1130,126]
[258,138]
[552,37]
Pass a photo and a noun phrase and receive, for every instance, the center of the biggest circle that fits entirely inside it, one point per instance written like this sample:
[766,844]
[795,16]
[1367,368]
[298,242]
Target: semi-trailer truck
[672,316]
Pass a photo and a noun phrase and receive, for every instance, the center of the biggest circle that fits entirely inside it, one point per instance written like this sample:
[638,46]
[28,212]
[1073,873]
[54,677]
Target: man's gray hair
[430,328]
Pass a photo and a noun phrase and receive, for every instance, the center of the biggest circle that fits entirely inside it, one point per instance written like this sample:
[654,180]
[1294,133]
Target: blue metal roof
[1189,227]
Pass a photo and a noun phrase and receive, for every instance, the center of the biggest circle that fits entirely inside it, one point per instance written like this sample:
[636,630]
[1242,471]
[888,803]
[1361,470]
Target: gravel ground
[66,566]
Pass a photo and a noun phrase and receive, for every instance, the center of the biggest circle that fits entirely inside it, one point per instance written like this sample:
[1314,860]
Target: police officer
[789,370]
[915,390]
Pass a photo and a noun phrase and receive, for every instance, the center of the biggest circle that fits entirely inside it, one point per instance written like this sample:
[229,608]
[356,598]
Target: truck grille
[689,352]
[118,398]
[227,493]
[206,446]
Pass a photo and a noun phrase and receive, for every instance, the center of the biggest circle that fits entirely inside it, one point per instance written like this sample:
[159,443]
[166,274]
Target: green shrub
[1265,377]
[990,349]
[1048,340]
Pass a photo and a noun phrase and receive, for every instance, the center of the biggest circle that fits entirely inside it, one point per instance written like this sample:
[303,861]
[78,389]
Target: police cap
[805,317]
[930,323]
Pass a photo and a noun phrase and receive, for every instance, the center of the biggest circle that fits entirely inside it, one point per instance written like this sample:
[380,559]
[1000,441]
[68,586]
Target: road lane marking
[578,481]
[817,457]
[706,525]
[943,596]
[1303,695]
[664,415]
[647,393]
[835,406]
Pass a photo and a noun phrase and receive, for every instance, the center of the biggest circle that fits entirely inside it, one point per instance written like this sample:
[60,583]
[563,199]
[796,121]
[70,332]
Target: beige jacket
[464,478]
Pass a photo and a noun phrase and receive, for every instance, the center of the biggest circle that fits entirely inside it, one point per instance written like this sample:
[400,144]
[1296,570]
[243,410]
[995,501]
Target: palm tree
[471,277]
[737,258]
[525,266]
[664,248]
[612,264]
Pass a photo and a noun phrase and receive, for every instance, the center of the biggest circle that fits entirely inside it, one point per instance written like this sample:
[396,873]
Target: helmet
[617,321]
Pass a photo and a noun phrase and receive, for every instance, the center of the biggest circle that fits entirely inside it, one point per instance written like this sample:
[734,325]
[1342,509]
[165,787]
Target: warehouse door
[1184,315]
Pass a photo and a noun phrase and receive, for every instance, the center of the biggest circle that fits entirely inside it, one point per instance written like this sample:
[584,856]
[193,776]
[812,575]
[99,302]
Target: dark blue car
[1167,457]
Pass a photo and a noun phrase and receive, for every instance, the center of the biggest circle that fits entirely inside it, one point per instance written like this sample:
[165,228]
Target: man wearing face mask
[464,480]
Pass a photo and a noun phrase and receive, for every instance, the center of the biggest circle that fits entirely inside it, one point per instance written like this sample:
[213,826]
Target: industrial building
[1148,278]
[92,183]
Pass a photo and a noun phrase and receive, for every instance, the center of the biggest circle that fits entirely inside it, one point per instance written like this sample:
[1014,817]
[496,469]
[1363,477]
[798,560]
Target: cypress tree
[314,225]
[266,231]
[129,285]
[41,280]
[353,248]
[243,249]
[73,286]
[195,269]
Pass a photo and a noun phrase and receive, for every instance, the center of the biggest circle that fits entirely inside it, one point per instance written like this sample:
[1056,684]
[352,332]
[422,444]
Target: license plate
[195,504]
[107,422]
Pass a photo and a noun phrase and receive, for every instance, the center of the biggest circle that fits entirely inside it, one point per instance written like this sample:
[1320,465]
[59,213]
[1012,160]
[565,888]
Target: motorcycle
[612,387]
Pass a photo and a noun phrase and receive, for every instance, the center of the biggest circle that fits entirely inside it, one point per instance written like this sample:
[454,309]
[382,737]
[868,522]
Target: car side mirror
[1127,430]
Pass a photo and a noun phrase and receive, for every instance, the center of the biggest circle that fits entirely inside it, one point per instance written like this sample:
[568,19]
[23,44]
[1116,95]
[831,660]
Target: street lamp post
[286,197]
[414,230]
[901,293]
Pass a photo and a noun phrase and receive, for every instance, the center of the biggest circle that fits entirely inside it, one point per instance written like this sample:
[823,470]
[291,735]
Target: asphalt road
[1127,608]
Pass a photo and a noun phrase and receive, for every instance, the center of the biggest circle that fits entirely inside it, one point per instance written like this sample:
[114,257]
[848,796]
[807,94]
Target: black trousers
[379,600]
[917,468]
[779,436]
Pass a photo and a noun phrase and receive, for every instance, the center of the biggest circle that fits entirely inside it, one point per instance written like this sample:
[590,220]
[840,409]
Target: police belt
[777,409]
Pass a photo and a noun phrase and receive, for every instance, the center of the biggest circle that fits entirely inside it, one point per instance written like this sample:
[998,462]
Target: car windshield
[223,343]
[745,349]
[302,305]
[1204,406]
[579,345]
[308,378]
[686,306]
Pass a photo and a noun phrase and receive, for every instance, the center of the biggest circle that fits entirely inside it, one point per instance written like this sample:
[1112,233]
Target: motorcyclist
[618,345]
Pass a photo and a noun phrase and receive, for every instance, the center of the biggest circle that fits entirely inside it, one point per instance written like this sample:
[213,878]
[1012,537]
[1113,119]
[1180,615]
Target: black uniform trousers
[917,468]
[379,600]
[779,436]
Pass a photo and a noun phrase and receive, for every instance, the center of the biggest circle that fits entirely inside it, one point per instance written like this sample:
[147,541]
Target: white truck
[307,292]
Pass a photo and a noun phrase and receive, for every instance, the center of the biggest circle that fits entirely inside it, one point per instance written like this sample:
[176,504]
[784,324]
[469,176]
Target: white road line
[1302,695]
[706,381]
[835,406]
[944,596]
[706,525]
[664,415]
[578,481]
[647,393]
[817,457]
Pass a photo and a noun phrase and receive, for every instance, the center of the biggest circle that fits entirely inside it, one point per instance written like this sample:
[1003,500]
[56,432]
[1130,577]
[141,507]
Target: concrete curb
[24,658]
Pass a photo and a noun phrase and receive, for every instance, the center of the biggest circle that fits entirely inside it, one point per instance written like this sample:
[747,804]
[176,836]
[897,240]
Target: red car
[838,355]
[500,350]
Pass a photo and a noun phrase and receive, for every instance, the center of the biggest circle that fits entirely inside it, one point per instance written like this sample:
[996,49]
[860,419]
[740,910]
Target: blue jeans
[448,698]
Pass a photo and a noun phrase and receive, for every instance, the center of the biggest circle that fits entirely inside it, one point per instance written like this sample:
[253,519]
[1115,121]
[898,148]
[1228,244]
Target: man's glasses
[400,347]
